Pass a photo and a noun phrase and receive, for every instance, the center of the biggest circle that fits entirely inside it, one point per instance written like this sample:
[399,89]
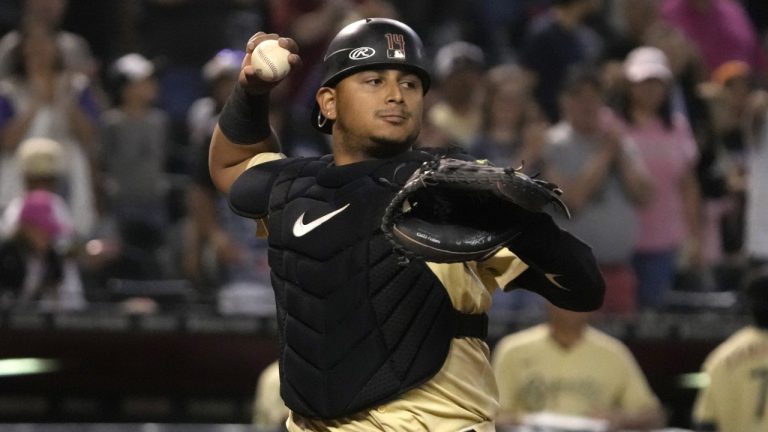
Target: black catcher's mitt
[452,210]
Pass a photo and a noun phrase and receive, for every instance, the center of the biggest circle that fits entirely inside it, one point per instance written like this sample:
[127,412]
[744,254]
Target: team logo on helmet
[395,46]
[362,53]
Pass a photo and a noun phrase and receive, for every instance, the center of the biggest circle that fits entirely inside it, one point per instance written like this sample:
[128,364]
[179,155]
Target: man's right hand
[248,77]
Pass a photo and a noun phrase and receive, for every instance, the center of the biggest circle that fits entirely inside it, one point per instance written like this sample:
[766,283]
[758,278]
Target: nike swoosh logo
[551,277]
[300,228]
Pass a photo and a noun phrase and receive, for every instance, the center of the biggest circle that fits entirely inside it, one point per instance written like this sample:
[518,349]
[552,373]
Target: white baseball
[270,60]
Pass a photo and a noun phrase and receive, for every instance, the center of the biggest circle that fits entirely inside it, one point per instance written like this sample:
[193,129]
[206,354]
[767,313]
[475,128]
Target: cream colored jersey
[736,399]
[462,395]
[597,375]
[269,411]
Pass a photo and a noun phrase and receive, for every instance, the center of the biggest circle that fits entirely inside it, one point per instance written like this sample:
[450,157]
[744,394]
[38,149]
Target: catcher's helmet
[370,43]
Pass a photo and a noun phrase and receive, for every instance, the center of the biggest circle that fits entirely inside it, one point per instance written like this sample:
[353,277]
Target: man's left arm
[561,267]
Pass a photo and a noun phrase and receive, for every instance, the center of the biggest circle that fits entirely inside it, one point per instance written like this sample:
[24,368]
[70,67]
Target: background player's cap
[369,44]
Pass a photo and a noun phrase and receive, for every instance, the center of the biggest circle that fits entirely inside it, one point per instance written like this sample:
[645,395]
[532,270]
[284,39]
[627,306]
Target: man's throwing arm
[243,130]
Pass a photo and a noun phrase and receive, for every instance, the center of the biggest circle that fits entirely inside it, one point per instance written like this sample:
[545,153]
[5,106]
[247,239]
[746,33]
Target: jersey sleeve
[500,269]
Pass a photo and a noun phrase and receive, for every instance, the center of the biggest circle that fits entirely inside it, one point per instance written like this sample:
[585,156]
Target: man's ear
[326,100]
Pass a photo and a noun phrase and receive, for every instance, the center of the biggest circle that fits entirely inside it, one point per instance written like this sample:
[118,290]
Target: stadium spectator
[42,167]
[512,128]
[75,50]
[606,181]
[553,42]
[671,220]
[135,142]
[723,171]
[41,99]
[459,69]
[37,269]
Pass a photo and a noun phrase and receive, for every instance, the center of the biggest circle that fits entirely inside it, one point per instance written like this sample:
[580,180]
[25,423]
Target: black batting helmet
[371,43]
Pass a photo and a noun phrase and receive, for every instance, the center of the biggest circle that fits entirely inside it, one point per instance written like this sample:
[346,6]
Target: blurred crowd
[650,114]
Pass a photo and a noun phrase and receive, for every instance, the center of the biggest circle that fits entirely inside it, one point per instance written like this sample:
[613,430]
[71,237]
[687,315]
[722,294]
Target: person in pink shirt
[720,29]
[670,220]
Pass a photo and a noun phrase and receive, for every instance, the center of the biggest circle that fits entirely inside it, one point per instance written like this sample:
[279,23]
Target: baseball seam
[269,63]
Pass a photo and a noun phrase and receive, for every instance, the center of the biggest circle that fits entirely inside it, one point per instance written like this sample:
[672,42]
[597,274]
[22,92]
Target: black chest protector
[356,326]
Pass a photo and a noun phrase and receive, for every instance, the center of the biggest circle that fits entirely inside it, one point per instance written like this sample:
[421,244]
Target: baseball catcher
[371,340]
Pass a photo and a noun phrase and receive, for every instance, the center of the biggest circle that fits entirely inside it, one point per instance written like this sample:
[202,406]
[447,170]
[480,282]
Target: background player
[736,398]
[551,368]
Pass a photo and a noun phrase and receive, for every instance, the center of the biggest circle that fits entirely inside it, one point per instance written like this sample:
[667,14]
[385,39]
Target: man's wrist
[245,117]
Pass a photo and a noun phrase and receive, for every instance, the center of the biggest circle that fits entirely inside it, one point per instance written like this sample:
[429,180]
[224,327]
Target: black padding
[358,328]
[561,267]
[245,118]
[249,195]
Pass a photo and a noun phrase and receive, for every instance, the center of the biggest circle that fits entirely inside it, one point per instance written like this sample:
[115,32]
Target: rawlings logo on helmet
[362,53]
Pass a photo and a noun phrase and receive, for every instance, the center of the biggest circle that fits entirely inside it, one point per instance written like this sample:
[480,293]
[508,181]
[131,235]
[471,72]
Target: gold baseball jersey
[736,399]
[269,411]
[598,374]
[462,395]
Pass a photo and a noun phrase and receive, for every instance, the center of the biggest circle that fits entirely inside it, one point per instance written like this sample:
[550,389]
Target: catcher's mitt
[452,210]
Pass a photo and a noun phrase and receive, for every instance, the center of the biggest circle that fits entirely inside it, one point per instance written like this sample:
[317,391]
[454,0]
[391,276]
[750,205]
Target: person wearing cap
[459,69]
[725,159]
[133,155]
[735,397]
[35,270]
[42,167]
[670,221]
[368,342]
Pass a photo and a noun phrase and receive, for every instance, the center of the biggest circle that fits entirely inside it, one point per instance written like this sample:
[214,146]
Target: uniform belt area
[471,325]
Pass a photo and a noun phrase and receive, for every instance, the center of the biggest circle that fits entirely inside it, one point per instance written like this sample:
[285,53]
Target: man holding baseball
[368,341]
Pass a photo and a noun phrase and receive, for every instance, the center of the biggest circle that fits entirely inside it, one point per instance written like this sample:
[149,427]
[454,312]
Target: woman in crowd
[670,221]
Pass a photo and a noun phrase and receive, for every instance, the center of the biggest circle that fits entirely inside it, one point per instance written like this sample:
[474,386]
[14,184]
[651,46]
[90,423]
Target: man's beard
[384,148]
